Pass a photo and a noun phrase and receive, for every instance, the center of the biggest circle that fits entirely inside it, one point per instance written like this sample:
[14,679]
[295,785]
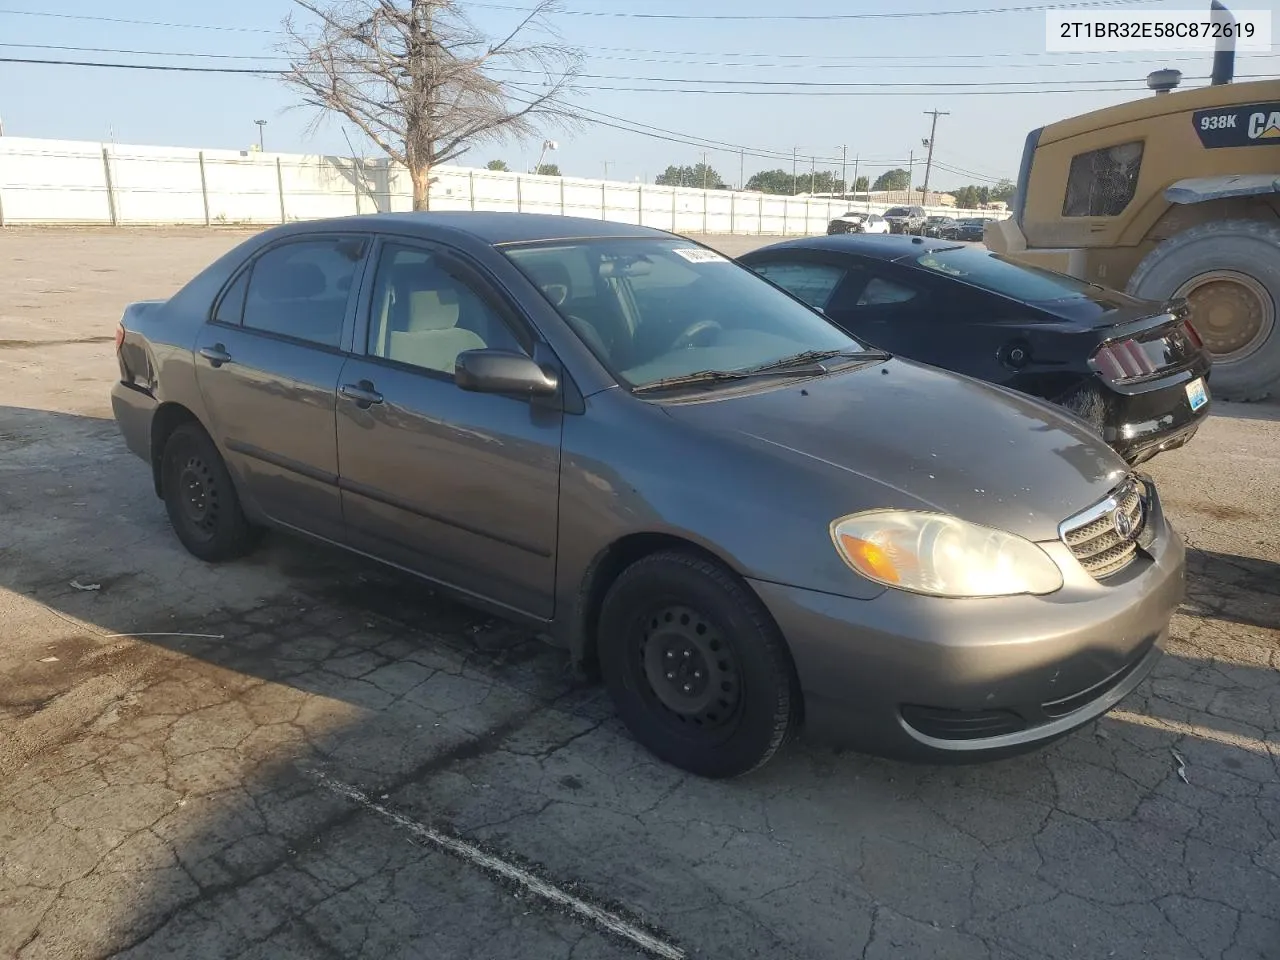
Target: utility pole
[856,158]
[607,164]
[704,169]
[742,170]
[261,126]
[911,174]
[813,175]
[844,164]
[928,164]
[794,184]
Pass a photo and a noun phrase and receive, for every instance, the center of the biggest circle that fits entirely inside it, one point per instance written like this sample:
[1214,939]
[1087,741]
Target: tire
[680,610]
[1232,262]
[201,499]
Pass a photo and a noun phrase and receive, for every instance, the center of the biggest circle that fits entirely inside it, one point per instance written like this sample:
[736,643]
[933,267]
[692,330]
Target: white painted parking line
[607,921]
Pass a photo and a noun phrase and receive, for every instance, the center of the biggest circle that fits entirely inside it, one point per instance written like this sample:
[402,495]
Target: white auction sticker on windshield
[698,255]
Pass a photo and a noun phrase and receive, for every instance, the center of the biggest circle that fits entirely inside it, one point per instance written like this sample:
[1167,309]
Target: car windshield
[1017,280]
[897,212]
[654,309]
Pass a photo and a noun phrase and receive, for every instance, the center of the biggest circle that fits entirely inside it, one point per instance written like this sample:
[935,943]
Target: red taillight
[1124,360]
[1193,334]
[119,336]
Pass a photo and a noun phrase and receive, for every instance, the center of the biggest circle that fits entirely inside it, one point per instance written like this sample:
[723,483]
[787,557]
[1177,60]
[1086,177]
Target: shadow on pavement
[188,817]
[1268,410]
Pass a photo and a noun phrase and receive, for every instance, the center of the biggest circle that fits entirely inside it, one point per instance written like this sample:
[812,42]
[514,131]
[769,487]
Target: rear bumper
[1142,425]
[134,410]
[935,680]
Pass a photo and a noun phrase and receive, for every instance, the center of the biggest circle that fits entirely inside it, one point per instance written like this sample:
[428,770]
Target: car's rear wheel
[699,672]
[201,499]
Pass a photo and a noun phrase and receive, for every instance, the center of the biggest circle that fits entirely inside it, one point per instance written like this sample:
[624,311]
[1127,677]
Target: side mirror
[501,371]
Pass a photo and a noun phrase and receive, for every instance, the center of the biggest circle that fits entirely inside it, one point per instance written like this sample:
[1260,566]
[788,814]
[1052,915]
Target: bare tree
[416,76]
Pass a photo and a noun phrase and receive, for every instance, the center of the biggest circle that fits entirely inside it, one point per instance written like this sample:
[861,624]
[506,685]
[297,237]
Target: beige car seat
[420,319]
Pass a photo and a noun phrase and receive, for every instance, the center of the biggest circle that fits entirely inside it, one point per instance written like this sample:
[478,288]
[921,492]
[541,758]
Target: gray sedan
[748,521]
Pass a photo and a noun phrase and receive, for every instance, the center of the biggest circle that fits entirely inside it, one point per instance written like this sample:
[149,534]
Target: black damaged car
[1135,369]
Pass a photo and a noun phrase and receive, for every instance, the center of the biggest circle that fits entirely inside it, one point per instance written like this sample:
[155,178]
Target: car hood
[925,439]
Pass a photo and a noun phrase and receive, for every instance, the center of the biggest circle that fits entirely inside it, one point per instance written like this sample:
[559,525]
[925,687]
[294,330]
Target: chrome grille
[1104,538]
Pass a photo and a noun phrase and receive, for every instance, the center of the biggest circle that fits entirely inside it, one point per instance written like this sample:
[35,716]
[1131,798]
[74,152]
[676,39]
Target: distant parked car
[906,219]
[644,451]
[1135,369]
[969,230]
[934,226]
[858,222]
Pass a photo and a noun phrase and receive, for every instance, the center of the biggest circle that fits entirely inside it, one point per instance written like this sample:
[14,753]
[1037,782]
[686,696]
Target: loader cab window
[1102,182]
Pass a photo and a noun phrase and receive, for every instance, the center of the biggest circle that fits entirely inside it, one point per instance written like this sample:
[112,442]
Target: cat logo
[1247,125]
[1263,127]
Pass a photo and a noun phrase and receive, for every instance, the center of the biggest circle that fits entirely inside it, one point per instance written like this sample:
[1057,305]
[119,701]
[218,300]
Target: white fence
[75,182]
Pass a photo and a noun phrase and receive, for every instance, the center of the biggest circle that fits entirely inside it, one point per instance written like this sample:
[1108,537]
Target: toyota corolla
[748,520]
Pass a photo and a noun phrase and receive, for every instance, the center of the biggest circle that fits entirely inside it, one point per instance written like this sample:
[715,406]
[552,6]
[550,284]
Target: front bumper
[923,678]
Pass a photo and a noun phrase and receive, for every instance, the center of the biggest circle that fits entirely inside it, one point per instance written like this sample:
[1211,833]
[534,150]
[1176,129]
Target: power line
[141,53]
[930,64]
[930,84]
[145,66]
[917,65]
[883,92]
[627,14]
[133,23]
[884,89]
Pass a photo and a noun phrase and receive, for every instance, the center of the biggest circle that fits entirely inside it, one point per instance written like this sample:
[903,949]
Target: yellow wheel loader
[1173,196]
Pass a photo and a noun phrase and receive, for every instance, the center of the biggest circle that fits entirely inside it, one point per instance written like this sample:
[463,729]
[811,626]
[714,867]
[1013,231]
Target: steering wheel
[691,334]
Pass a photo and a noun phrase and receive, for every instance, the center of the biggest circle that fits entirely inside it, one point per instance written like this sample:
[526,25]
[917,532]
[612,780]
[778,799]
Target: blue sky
[982,134]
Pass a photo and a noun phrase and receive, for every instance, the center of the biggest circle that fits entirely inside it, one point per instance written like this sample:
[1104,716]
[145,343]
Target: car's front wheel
[201,499]
[699,672]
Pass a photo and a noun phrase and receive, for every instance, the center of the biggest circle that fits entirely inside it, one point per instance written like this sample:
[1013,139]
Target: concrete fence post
[760,218]
[705,199]
[111,190]
[640,204]
[733,213]
[675,214]
[280,187]
[519,195]
[204,190]
[786,216]
[562,206]
[471,188]
[604,199]
[357,174]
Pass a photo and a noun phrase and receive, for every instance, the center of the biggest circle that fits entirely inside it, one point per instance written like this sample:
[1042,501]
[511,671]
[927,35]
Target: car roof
[488,227]
[886,246]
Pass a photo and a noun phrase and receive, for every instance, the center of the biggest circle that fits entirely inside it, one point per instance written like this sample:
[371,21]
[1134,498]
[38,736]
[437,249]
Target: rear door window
[814,283]
[300,290]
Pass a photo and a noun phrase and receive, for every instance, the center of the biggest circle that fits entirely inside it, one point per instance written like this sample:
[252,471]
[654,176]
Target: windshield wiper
[799,364]
[810,358]
[691,379]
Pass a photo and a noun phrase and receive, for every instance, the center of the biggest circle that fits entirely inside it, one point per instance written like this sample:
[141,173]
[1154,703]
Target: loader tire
[1229,271]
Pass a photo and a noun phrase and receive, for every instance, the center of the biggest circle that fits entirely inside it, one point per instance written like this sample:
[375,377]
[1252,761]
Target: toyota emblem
[1123,525]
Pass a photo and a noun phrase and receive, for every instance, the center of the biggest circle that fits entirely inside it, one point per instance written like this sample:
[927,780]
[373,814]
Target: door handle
[216,355]
[362,393]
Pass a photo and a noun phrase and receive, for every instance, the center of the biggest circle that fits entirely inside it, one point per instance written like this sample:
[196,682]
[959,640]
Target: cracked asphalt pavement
[304,756]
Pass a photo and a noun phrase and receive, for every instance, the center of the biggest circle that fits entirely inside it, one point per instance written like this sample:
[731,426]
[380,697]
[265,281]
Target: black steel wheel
[201,499]
[698,670]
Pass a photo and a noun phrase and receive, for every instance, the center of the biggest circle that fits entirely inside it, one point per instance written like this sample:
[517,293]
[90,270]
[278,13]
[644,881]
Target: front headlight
[942,556]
